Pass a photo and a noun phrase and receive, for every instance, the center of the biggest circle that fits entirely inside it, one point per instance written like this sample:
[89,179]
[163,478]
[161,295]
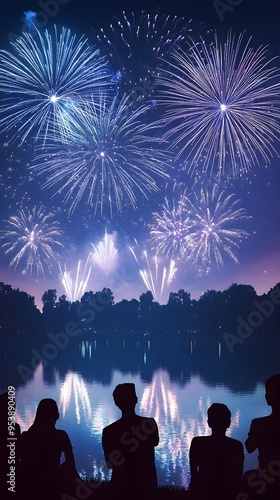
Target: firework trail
[156,277]
[222,103]
[105,254]
[43,80]
[32,235]
[108,159]
[76,288]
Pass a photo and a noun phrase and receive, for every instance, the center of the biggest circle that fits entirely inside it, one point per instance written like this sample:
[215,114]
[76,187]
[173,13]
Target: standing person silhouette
[264,436]
[41,448]
[216,461]
[128,446]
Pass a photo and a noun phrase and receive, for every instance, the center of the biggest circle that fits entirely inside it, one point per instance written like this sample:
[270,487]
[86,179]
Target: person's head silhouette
[125,397]
[47,413]
[219,418]
[272,394]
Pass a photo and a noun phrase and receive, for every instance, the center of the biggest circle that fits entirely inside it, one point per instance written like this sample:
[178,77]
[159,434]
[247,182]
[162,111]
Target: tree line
[96,312]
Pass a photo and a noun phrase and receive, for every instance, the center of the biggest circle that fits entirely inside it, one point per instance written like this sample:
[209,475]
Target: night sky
[257,190]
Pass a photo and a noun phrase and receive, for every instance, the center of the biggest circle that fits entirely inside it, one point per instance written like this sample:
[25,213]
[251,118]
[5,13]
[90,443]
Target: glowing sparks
[200,228]
[44,78]
[33,236]
[105,254]
[75,288]
[156,276]
[215,215]
[170,230]
[110,157]
[135,43]
[222,103]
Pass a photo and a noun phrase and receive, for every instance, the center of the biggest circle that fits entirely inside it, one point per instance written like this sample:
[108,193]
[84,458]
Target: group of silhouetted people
[216,461]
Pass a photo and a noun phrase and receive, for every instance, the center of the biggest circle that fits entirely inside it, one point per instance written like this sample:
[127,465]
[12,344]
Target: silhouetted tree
[18,312]
[61,311]
[49,299]
[209,309]
[149,313]
[49,314]
[126,315]
[214,312]
[178,311]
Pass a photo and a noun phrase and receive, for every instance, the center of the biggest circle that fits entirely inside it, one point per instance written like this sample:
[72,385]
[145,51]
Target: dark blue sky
[259,256]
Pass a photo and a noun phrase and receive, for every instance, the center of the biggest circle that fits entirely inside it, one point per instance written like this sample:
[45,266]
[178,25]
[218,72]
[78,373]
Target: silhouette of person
[264,436]
[41,448]
[128,446]
[216,461]
[9,435]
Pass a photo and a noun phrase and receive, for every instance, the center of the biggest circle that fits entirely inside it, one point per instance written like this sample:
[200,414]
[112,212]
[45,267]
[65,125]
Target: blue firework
[43,78]
[109,159]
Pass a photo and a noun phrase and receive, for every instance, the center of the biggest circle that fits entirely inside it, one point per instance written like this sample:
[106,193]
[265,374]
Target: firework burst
[33,236]
[222,103]
[215,215]
[170,230]
[43,80]
[108,159]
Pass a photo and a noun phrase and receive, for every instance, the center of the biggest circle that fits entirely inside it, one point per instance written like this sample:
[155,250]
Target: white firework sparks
[170,230]
[75,288]
[34,237]
[43,80]
[110,157]
[222,103]
[215,215]
[156,276]
[105,254]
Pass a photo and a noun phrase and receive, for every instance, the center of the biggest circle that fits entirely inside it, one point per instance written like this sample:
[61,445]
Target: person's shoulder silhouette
[216,461]
[264,433]
[264,436]
[43,441]
[41,448]
[128,446]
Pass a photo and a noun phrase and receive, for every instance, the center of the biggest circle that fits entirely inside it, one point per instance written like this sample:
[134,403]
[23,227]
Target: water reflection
[86,408]
[176,429]
[161,402]
[75,387]
[176,382]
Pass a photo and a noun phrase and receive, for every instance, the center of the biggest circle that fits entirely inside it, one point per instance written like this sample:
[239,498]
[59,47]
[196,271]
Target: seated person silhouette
[216,461]
[41,448]
[8,453]
[128,446]
[264,436]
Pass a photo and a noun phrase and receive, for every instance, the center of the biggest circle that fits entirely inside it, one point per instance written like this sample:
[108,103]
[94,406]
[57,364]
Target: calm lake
[176,381]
